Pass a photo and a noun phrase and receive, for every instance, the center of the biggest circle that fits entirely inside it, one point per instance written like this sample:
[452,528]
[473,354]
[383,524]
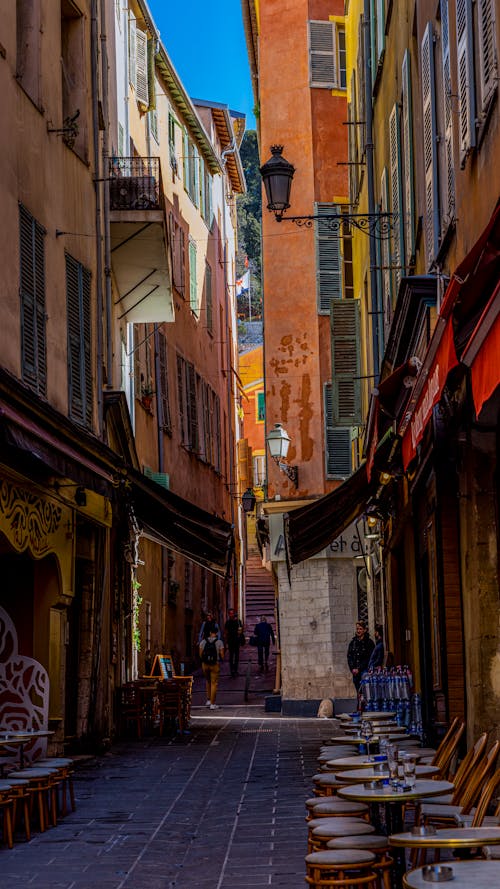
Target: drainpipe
[161,459]
[230,411]
[107,239]
[94,24]
[371,191]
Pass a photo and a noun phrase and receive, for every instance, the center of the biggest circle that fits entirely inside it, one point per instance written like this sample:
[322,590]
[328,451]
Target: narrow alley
[222,807]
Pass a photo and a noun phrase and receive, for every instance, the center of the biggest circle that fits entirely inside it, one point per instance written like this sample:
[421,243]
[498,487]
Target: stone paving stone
[221,807]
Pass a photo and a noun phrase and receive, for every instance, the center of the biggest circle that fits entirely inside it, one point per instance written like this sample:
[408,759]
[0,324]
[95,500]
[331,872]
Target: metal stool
[341,869]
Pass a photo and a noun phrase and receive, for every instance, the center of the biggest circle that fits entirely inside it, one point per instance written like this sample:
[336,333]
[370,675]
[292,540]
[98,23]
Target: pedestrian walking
[211,654]
[377,655]
[208,624]
[264,634]
[233,633]
[359,651]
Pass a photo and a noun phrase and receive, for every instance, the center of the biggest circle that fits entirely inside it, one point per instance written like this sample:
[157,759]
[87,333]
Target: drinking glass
[409,765]
[367,734]
[392,762]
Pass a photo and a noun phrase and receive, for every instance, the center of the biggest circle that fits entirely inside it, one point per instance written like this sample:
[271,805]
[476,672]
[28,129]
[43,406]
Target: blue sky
[206,43]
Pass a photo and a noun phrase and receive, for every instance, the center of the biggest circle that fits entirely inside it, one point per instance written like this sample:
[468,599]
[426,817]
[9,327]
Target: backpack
[209,653]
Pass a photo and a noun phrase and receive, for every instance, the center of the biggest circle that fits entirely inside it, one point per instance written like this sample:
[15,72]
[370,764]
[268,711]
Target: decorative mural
[32,520]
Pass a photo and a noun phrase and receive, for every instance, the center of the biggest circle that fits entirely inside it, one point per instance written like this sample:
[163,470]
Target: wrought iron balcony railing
[135,183]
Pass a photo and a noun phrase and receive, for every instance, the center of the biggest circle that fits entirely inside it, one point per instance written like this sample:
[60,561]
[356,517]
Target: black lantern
[248,500]
[277,174]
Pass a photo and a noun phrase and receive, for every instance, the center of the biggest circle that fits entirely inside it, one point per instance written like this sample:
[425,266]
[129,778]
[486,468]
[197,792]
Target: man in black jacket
[359,651]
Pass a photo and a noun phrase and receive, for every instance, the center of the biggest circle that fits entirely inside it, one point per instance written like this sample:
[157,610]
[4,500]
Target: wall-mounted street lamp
[248,500]
[278,442]
[277,174]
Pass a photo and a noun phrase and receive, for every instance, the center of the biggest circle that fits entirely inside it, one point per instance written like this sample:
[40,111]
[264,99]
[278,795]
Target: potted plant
[147,393]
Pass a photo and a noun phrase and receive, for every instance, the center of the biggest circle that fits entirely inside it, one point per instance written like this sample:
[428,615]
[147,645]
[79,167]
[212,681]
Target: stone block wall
[317,612]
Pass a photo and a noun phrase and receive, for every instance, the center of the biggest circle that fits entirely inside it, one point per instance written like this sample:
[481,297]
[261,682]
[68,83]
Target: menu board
[163,666]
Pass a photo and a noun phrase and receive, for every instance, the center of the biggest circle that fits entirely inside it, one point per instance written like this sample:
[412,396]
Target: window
[193,282]
[171,143]
[206,194]
[466,87]
[431,216]
[407,137]
[261,407]
[188,406]
[165,419]
[32,298]
[259,470]
[78,302]
[28,21]
[153,123]
[132,50]
[396,189]
[328,259]
[141,76]
[191,168]
[178,254]
[345,390]
[327,55]
[338,448]
[386,256]
[121,141]
[209,298]
[488,75]
[216,436]
[448,199]
[74,86]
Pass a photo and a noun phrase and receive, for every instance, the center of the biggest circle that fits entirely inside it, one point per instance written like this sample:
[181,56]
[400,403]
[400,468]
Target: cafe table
[393,802]
[20,739]
[374,714]
[359,776]
[448,838]
[466,875]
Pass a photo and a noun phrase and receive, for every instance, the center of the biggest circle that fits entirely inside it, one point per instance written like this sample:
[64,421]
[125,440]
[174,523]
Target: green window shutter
[380,4]
[345,334]
[208,298]
[185,159]
[338,448]
[431,217]
[322,52]
[466,86]
[328,260]
[261,407]
[203,194]
[32,302]
[195,176]
[396,192]
[165,420]
[141,89]
[161,478]
[449,169]
[193,284]
[407,127]
[373,39]
[78,302]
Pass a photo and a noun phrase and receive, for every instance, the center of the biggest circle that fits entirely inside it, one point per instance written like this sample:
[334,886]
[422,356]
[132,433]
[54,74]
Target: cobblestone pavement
[219,808]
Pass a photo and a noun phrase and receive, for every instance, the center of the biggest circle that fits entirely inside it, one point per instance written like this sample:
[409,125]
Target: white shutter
[449,183]
[142,93]
[396,192]
[466,93]
[431,218]
[328,259]
[132,50]
[487,50]
[407,125]
[323,68]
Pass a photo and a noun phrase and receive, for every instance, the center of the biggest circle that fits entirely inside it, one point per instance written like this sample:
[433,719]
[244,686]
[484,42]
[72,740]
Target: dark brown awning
[310,528]
[179,525]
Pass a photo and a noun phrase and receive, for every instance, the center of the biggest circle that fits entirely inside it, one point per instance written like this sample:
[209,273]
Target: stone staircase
[259,596]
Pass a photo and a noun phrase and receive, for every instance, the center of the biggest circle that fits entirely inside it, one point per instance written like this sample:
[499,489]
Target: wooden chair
[448,748]
[444,814]
[169,704]
[130,708]
[490,789]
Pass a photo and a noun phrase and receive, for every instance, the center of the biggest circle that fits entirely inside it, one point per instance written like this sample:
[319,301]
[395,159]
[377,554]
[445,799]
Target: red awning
[482,353]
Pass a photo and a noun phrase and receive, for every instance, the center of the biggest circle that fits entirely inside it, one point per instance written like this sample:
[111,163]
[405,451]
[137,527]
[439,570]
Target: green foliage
[249,208]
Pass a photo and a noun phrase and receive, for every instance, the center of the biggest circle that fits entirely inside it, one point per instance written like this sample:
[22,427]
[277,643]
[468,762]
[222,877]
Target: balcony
[139,244]
[135,183]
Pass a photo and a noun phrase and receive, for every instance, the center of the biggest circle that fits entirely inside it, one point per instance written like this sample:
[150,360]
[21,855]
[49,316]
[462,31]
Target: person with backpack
[211,654]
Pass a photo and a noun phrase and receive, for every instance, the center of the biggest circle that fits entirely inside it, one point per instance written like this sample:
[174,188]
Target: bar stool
[326,784]
[65,768]
[42,785]
[320,830]
[6,807]
[348,869]
[21,797]
[327,807]
[372,843]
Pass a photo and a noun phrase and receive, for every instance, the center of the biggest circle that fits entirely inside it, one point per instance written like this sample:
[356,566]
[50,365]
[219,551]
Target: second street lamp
[278,442]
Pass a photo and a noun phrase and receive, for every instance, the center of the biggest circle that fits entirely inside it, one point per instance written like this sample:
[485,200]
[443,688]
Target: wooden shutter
[32,302]
[345,333]
[208,298]
[142,91]
[328,260]
[396,185]
[431,219]
[132,50]
[409,190]
[165,420]
[338,450]
[181,397]
[216,432]
[449,172]
[322,52]
[466,91]
[207,431]
[86,332]
[192,411]
[193,284]
[386,251]
[487,50]
[79,359]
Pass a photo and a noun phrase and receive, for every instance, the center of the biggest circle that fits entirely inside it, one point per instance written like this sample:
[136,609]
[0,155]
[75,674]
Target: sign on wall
[345,546]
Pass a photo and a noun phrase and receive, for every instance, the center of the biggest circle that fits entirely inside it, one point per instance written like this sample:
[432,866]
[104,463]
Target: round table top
[385,794]
[357,776]
[350,762]
[449,838]
[374,714]
[479,874]
[420,751]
